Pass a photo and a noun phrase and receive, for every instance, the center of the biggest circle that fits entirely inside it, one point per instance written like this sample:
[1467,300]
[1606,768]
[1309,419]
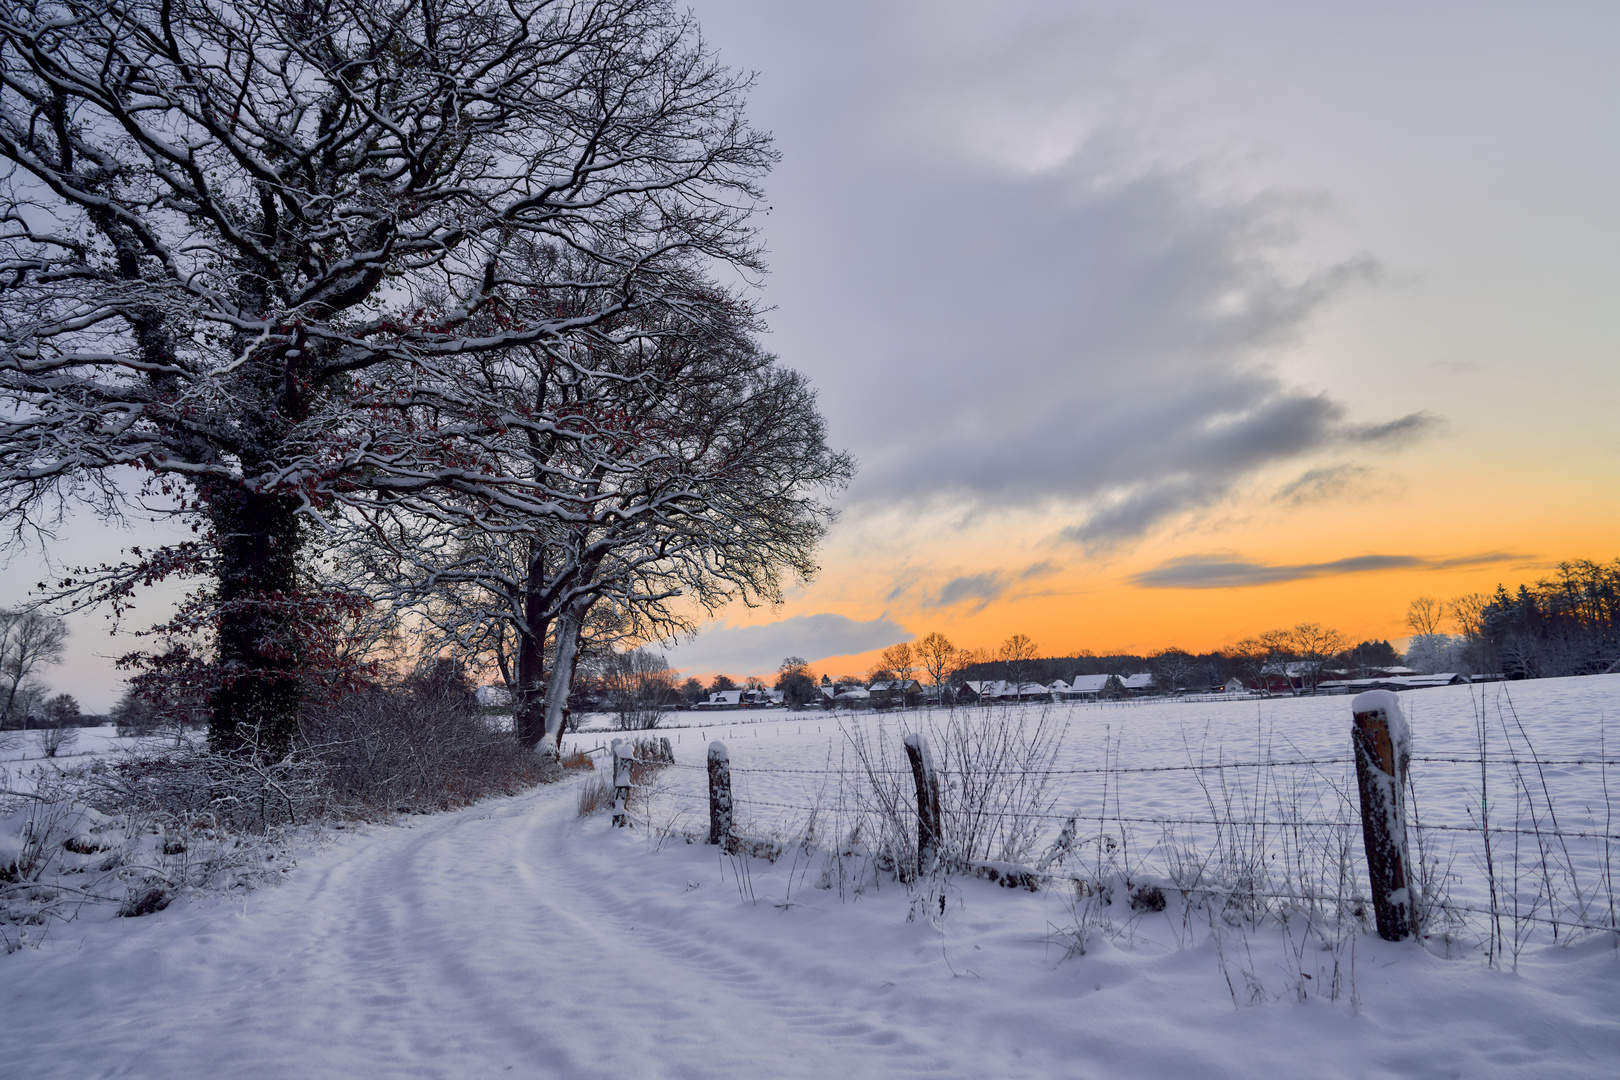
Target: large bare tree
[1018,653]
[1316,646]
[901,660]
[248,244]
[29,641]
[1424,616]
[688,468]
[937,656]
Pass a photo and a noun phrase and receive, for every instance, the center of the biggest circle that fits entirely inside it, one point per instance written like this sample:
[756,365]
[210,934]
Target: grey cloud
[1082,375]
[742,650]
[1110,346]
[1403,430]
[1486,559]
[1138,512]
[1328,482]
[1226,572]
[1096,331]
[981,587]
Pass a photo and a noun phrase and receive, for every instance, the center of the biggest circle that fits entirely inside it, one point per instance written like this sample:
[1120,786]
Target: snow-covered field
[23,746]
[515,938]
[1140,774]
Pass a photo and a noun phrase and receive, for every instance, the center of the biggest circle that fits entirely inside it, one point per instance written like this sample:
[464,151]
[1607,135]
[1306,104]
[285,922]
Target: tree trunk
[256,704]
[562,673]
[528,700]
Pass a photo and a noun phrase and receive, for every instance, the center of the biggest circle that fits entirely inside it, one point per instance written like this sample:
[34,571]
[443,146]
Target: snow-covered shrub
[995,789]
[1147,898]
[189,782]
[414,748]
[53,740]
[71,838]
[1431,653]
[995,781]
[883,832]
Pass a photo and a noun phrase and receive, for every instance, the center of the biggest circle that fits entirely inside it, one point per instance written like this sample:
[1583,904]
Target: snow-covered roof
[1442,678]
[1140,681]
[1396,682]
[1089,684]
[1003,688]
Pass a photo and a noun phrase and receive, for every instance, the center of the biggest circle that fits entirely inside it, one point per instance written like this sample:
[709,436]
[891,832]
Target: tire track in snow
[751,985]
[484,925]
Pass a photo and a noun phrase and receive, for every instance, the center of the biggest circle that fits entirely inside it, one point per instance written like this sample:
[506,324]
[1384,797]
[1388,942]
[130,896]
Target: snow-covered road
[465,944]
[513,939]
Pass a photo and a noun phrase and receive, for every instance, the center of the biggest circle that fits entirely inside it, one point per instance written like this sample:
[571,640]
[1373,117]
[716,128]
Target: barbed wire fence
[1499,857]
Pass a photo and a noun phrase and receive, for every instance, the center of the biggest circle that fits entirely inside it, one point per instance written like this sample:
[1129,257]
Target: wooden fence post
[623,756]
[1383,746]
[928,824]
[720,796]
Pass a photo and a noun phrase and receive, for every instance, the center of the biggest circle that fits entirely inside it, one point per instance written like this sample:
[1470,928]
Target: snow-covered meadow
[518,938]
[1156,783]
[23,746]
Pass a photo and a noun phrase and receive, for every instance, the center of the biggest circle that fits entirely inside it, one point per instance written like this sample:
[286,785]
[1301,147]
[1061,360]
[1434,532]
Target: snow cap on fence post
[1383,746]
[623,758]
[720,795]
[928,814]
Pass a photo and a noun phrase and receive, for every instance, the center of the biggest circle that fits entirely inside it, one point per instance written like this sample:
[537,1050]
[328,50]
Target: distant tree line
[925,669]
[1308,647]
[1565,624]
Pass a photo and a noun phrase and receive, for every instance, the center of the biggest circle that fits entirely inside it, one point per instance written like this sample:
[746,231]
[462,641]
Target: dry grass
[595,795]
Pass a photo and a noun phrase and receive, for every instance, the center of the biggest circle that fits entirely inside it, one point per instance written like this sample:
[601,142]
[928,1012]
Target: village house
[896,691]
[1138,685]
[1001,690]
[1392,682]
[741,699]
[1087,688]
[722,699]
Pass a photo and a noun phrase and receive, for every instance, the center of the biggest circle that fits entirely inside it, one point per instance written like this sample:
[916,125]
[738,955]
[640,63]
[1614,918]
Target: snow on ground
[19,747]
[1563,720]
[516,939]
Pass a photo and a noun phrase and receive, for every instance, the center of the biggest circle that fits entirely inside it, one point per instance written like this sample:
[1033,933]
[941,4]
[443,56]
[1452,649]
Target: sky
[1162,325]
